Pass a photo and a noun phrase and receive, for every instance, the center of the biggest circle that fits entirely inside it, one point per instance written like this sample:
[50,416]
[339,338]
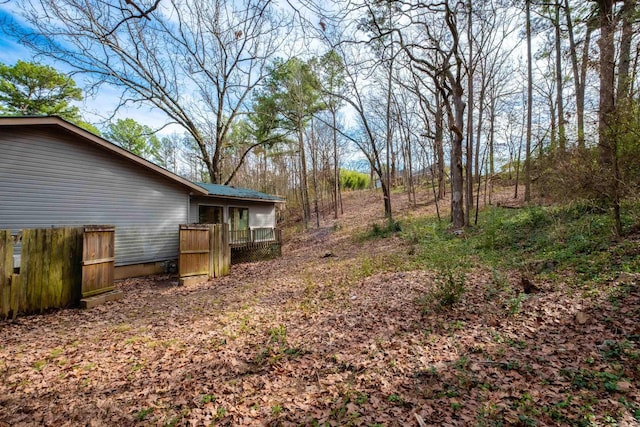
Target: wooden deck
[255,245]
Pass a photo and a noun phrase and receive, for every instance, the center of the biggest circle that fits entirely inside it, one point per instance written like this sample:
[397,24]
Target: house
[53,173]
[251,215]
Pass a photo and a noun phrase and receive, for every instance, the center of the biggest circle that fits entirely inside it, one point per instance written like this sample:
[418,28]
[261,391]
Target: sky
[95,108]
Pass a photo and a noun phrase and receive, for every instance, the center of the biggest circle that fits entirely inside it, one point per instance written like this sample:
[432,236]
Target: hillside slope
[349,327]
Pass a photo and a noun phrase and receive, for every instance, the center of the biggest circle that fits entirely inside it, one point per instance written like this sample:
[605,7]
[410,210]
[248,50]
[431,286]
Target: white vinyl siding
[50,178]
[262,216]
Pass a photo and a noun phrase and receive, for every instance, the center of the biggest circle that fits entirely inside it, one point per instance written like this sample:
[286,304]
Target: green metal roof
[237,192]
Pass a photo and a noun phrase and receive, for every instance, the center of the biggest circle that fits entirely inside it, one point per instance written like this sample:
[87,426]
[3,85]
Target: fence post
[6,270]
[55,268]
[213,247]
[227,249]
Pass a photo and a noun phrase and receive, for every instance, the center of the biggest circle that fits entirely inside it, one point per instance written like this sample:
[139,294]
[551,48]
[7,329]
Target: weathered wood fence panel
[49,274]
[204,250]
[221,256]
[98,259]
[57,267]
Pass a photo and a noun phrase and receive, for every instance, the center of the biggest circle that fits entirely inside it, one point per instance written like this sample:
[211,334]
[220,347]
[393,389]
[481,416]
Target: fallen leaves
[341,340]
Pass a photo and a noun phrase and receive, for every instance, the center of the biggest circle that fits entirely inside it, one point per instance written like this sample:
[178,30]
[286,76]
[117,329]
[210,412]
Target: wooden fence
[98,259]
[51,268]
[204,251]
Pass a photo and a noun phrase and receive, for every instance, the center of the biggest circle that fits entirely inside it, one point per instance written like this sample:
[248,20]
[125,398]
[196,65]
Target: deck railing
[256,244]
[254,235]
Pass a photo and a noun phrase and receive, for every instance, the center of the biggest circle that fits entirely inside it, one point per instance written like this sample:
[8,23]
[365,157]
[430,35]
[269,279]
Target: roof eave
[245,199]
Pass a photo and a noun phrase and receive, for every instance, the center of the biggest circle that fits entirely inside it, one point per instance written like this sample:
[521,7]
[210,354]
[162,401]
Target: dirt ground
[331,333]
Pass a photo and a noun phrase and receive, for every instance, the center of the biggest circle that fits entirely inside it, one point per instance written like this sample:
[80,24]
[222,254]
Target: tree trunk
[623,98]
[336,167]
[469,162]
[580,95]
[314,166]
[304,187]
[492,129]
[457,178]
[457,185]
[478,174]
[623,91]
[562,139]
[527,159]
[607,138]
[389,143]
[439,147]
[578,77]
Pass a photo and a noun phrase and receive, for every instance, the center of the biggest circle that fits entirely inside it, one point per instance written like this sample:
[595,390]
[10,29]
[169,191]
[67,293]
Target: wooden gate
[98,259]
[204,251]
[48,275]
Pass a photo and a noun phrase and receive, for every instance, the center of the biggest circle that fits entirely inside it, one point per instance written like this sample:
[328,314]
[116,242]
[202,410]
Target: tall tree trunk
[580,95]
[527,159]
[389,130]
[606,136]
[623,91]
[336,167]
[492,130]
[457,182]
[314,165]
[578,77]
[634,70]
[562,139]
[439,147]
[389,144]
[404,127]
[412,186]
[553,140]
[623,97]
[304,186]
[477,166]
[469,158]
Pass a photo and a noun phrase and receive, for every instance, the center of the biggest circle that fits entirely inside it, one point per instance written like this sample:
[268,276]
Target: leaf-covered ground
[336,332]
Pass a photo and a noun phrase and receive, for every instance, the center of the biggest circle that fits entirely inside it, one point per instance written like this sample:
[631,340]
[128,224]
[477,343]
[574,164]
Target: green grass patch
[447,290]
[575,238]
[143,413]
[379,231]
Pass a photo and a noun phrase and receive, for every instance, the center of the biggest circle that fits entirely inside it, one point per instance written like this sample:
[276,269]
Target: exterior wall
[48,177]
[260,214]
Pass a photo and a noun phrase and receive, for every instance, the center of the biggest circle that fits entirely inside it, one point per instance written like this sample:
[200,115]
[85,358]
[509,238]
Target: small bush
[382,231]
[447,291]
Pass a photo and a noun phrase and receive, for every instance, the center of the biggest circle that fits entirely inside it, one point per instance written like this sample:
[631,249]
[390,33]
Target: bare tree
[562,137]
[527,159]
[579,69]
[441,57]
[359,92]
[470,66]
[196,60]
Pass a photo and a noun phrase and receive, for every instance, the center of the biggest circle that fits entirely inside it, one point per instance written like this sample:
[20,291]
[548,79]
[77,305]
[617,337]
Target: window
[239,225]
[239,218]
[210,215]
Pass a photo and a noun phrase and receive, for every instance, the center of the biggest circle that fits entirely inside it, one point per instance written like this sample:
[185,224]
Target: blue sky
[95,109]
[10,49]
